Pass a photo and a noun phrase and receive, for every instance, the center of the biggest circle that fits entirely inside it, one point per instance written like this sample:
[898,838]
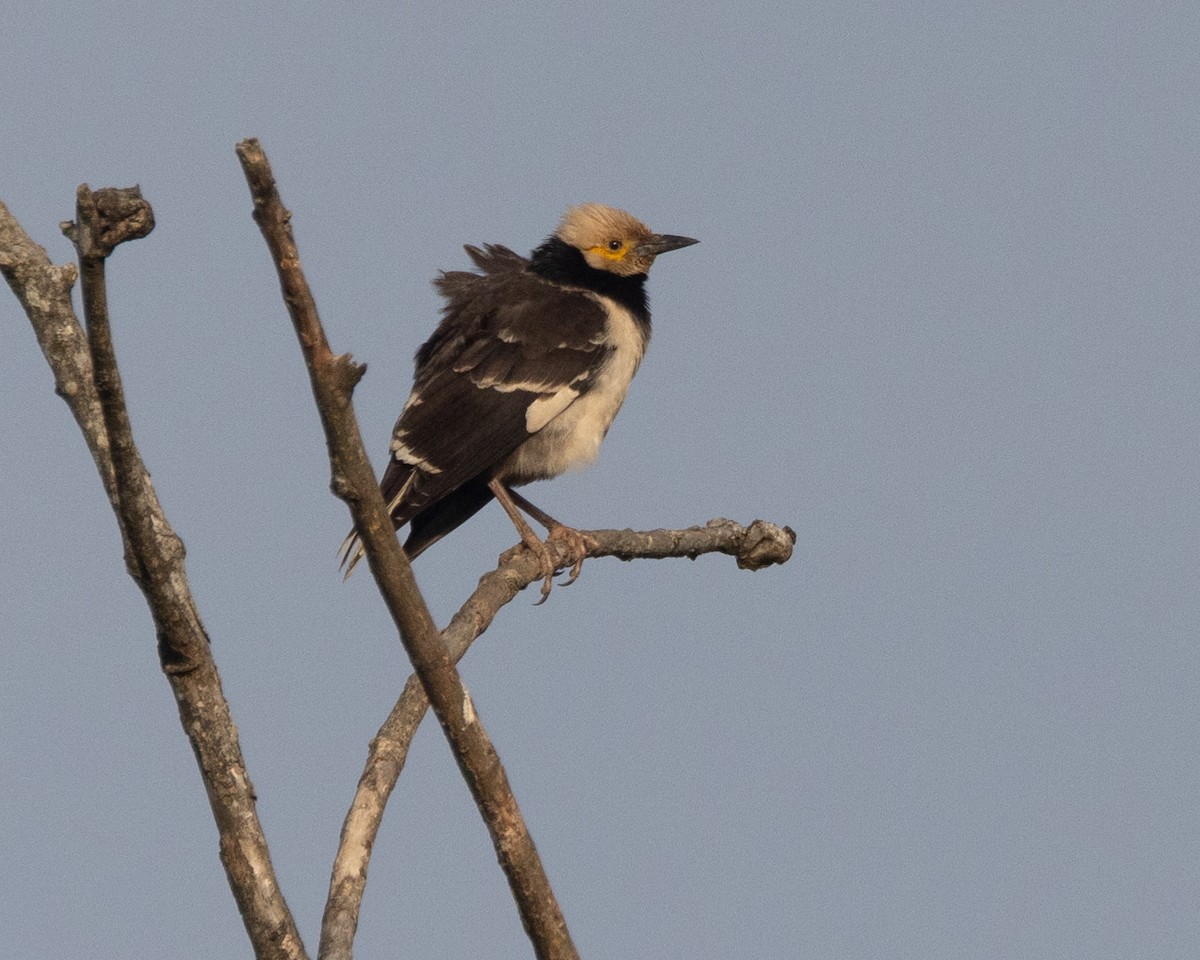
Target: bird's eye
[614,245]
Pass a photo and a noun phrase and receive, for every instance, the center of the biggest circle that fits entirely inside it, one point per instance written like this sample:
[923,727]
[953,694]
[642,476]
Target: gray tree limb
[759,545]
[80,361]
[333,379]
[85,372]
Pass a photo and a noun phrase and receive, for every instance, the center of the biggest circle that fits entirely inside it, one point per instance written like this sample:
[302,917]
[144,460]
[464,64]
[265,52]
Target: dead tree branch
[86,376]
[759,545]
[333,379]
[44,291]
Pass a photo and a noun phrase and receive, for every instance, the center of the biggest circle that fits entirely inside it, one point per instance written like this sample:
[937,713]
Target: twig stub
[108,217]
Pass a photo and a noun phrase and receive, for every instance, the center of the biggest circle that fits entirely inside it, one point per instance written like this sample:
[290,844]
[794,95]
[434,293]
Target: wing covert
[511,352]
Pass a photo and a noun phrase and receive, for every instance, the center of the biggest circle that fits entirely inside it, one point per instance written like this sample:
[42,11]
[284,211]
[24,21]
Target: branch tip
[764,545]
[86,376]
[107,218]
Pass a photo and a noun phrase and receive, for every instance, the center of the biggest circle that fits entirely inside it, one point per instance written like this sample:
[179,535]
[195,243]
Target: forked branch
[86,376]
[759,545]
[333,379]
[85,372]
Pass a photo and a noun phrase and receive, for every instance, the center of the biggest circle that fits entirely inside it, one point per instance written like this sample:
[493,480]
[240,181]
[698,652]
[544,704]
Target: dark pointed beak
[661,243]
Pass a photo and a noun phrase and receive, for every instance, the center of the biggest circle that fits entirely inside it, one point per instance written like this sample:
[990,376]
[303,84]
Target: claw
[538,549]
[548,569]
[578,546]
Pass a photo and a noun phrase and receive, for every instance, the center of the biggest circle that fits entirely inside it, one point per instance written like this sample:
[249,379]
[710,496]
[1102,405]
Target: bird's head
[612,240]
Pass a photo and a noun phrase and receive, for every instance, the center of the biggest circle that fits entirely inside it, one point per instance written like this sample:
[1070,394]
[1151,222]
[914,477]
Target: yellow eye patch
[608,252]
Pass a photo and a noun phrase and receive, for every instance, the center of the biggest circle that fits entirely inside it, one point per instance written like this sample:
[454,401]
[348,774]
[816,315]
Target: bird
[521,379]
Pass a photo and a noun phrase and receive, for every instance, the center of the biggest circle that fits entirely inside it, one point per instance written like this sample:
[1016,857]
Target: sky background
[941,321]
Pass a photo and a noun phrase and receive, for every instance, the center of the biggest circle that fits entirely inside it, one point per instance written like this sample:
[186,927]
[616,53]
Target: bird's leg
[579,544]
[528,537]
[541,516]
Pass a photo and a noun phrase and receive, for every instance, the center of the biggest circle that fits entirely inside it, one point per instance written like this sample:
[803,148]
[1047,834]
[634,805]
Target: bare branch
[154,554]
[44,291]
[333,379]
[759,545]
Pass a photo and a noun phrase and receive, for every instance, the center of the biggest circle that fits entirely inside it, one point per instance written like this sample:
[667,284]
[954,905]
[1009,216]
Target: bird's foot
[542,552]
[577,547]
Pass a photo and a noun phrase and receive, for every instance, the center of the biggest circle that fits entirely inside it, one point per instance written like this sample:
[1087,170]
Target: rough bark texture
[761,544]
[86,376]
[333,378]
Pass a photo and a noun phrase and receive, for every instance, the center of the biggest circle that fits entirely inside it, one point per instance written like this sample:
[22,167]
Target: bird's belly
[569,442]
[572,439]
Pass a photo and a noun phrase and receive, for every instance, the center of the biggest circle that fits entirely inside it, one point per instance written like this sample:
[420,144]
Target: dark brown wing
[508,341]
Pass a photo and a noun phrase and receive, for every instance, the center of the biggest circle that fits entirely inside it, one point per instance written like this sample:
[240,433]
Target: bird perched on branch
[521,379]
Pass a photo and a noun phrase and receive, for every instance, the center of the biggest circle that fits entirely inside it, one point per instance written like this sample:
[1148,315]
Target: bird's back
[525,371]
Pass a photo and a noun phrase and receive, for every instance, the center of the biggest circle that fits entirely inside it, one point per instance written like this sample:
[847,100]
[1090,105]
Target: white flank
[544,409]
[571,430]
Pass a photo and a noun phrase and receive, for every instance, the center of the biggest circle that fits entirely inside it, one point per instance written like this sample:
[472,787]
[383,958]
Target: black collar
[559,261]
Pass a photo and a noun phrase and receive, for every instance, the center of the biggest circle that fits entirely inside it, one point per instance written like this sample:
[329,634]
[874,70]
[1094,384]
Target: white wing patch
[568,428]
[510,386]
[544,409]
[405,454]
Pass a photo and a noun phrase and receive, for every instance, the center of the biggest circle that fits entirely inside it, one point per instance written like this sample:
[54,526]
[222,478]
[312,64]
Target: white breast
[571,439]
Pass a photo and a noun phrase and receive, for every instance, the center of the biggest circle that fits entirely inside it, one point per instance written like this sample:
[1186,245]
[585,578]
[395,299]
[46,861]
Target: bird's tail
[352,550]
[349,553]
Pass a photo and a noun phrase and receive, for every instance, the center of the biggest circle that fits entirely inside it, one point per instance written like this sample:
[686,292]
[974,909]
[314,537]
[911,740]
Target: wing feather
[512,352]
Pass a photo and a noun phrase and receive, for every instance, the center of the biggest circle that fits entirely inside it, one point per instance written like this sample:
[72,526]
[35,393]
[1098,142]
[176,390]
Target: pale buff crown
[607,237]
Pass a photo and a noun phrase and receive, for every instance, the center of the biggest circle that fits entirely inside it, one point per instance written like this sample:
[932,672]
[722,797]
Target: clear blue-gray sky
[942,321]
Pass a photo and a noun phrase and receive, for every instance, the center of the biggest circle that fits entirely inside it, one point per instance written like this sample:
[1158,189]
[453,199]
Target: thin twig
[154,554]
[333,379]
[759,545]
